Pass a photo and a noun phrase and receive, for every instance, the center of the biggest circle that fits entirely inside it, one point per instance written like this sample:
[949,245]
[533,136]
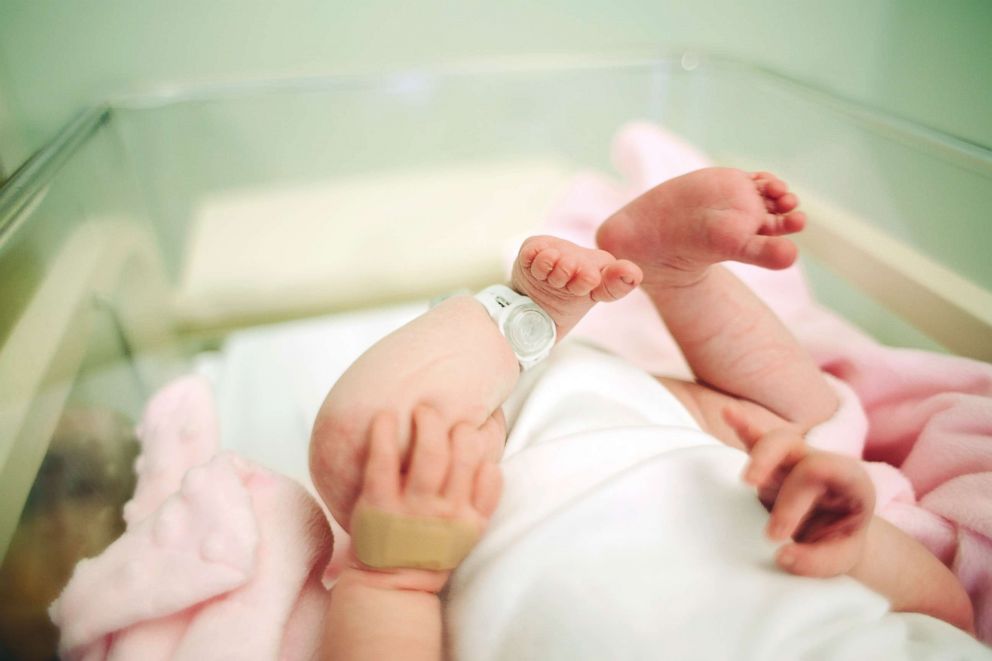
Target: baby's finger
[780,447]
[466,452]
[831,557]
[749,433]
[492,436]
[800,491]
[382,469]
[488,488]
[847,476]
[429,453]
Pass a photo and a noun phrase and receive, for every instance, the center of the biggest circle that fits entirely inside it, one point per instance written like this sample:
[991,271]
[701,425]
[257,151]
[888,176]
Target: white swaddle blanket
[625,532]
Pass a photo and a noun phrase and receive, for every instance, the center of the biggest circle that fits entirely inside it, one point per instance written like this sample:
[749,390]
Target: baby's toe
[770,252]
[776,189]
[618,280]
[527,255]
[777,224]
[586,278]
[544,263]
[773,225]
[786,203]
[769,185]
[563,271]
[793,222]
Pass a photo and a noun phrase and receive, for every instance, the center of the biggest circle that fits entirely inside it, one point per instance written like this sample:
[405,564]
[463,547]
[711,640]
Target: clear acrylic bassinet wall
[101,237]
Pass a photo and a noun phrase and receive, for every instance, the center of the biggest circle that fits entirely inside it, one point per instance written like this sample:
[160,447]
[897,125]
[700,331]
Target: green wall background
[927,61]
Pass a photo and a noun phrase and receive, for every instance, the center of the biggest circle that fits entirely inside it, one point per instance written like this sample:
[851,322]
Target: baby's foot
[679,228]
[566,280]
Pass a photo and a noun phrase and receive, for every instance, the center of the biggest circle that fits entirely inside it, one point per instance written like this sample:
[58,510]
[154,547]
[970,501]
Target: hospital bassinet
[154,226]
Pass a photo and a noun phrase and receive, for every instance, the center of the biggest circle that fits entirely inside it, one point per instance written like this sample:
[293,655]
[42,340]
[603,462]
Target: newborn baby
[415,426]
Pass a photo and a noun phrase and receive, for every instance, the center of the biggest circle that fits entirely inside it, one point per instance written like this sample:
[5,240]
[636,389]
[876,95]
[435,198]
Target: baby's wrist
[869,541]
[420,580]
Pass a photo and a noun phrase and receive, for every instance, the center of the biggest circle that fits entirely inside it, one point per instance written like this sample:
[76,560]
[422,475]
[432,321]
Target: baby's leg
[453,359]
[676,233]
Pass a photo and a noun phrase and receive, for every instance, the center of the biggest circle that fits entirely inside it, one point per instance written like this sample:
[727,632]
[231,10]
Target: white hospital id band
[528,328]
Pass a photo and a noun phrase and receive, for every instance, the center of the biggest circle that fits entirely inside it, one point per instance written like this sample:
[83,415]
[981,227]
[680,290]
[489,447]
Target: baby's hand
[821,500]
[445,477]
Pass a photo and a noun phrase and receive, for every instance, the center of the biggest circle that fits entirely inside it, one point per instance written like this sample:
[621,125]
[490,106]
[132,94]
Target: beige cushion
[275,252]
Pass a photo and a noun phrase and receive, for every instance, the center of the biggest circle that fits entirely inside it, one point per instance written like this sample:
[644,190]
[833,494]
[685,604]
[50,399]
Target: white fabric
[625,532]
[271,380]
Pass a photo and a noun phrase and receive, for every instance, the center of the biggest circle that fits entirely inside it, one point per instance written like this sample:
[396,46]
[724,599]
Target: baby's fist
[822,501]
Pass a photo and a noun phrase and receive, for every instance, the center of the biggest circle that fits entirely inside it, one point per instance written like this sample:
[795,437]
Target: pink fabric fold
[221,558]
[925,428]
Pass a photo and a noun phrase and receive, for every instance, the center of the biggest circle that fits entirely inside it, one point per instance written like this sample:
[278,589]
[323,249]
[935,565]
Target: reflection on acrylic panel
[73,511]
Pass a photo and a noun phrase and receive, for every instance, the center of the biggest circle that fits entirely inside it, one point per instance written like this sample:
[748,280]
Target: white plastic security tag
[525,325]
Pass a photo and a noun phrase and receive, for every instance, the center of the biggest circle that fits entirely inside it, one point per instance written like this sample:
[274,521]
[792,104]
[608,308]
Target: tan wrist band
[390,541]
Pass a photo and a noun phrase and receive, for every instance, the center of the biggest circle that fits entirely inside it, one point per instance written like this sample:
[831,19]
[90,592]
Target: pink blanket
[925,429]
[221,558]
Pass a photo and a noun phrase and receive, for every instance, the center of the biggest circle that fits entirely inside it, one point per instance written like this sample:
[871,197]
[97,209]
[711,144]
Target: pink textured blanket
[925,421]
[221,558]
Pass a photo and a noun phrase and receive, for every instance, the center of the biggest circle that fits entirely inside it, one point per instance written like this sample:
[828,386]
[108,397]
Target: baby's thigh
[339,448]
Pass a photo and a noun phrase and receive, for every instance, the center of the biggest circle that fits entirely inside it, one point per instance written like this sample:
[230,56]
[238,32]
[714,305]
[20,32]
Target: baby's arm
[823,503]
[911,577]
[396,614]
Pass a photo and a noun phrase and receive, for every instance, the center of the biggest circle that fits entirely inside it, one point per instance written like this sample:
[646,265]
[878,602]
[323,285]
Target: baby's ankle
[661,277]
